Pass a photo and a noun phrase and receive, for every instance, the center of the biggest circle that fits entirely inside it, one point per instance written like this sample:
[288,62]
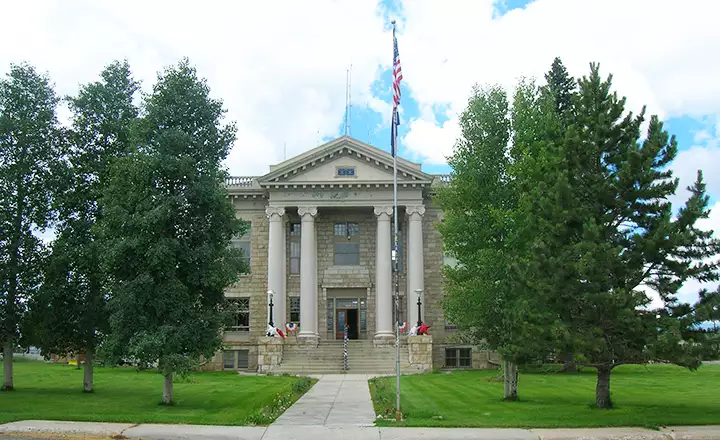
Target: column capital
[307,210]
[380,210]
[415,209]
[271,211]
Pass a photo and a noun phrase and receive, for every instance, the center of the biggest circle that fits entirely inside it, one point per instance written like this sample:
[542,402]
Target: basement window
[235,359]
[458,357]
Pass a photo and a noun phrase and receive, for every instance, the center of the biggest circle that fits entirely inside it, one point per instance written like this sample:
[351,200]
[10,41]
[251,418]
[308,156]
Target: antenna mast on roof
[348,100]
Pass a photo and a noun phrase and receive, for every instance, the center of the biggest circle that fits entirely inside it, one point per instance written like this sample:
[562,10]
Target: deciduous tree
[167,228]
[30,139]
[69,313]
[483,228]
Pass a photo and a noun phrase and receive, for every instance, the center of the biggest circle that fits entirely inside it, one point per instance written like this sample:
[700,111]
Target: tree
[69,312]
[167,227]
[30,140]
[604,229]
[561,89]
[485,231]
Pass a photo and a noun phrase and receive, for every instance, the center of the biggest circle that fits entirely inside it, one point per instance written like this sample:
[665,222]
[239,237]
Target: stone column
[308,275]
[276,261]
[415,261]
[383,276]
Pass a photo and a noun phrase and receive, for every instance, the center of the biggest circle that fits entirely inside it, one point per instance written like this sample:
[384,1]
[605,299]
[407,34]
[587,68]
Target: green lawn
[643,396]
[54,392]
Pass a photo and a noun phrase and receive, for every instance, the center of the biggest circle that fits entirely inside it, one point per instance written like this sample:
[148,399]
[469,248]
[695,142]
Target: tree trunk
[602,391]
[511,380]
[88,376]
[569,365]
[8,365]
[168,390]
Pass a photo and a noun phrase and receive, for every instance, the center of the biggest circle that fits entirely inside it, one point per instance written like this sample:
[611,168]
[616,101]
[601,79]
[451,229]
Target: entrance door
[349,317]
[341,316]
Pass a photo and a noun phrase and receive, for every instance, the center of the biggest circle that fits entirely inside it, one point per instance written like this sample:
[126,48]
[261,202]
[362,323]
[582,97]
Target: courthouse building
[319,244]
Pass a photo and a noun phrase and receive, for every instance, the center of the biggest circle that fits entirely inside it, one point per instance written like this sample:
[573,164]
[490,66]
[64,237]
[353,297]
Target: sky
[280,66]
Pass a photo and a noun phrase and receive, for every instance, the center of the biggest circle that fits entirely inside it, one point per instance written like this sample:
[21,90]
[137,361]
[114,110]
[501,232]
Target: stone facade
[420,351]
[306,191]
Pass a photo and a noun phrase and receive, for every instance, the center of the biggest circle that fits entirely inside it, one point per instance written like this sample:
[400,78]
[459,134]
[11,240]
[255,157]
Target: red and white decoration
[402,326]
[274,331]
[291,327]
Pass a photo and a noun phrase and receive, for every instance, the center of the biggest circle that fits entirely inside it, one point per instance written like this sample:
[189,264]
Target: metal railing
[345,349]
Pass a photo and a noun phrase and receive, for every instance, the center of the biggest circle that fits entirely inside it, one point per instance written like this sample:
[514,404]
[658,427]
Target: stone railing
[420,352]
[270,353]
[239,181]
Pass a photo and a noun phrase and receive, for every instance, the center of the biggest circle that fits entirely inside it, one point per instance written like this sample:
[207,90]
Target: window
[235,359]
[244,244]
[294,247]
[295,309]
[345,172]
[330,314]
[458,357]
[347,244]
[242,314]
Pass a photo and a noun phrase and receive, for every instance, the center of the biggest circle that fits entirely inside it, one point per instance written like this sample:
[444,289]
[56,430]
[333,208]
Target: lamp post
[419,304]
[270,320]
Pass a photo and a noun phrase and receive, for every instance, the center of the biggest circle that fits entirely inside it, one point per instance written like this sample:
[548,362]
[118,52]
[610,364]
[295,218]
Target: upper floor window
[345,172]
[295,309]
[347,244]
[244,244]
[294,247]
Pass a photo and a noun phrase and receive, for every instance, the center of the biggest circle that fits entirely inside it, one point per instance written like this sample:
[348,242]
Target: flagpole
[396,256]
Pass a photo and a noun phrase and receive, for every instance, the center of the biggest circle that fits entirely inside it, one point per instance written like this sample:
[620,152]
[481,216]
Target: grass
[647,396]
[54,392]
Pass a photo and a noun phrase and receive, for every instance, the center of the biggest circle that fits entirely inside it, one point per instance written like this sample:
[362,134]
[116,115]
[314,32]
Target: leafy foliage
[69,313]
[167,229]
[560,229]
[30,140]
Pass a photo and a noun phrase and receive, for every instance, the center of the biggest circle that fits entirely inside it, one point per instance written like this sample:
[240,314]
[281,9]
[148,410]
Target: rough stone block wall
[433,255]
[420,352]
[269,353]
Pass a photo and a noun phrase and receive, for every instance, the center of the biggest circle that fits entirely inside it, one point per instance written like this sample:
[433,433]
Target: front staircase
[327,358]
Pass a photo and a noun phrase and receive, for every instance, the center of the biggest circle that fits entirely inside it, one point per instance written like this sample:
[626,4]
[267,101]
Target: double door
[347,318]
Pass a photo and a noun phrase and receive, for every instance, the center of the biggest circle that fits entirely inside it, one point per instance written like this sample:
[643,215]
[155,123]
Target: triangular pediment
[344,161]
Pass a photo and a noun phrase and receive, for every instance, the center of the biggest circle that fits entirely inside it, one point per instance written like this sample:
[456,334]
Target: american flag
[397,77]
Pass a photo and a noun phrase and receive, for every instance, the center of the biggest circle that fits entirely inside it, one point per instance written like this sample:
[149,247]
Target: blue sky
[280,67]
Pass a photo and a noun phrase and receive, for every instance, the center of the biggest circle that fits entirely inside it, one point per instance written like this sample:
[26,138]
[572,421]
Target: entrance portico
[325,187]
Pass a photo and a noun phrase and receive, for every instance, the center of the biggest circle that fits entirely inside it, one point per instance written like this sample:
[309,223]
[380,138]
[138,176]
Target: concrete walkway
[337,400]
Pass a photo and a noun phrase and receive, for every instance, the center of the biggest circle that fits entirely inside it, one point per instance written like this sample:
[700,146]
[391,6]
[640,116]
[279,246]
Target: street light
[270,321]
[419,304]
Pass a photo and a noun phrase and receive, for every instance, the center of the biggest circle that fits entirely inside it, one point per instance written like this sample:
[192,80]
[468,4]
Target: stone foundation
[420,352]
[270,353]
[384,341]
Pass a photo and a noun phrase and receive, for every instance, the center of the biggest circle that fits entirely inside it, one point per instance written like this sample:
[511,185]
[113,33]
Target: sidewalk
[339,407]
[337,400]
[286,432]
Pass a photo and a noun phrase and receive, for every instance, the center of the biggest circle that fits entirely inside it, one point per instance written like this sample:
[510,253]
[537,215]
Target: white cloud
[657,51]
[703,155]
[280,66]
